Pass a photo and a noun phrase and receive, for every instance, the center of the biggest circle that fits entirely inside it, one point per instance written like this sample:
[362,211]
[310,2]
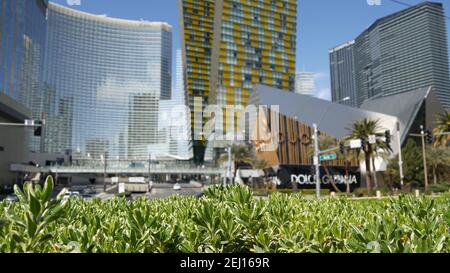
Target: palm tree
[362,130]
[348,156]
[240,154]
[436,157]
[261,165]
[326,142]
[442,126]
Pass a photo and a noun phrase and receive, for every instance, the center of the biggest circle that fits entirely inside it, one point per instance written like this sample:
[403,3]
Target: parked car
[177,187]
[71,194]
[12,198]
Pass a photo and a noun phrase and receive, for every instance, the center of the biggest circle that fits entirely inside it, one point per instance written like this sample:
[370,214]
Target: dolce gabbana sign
[304,177]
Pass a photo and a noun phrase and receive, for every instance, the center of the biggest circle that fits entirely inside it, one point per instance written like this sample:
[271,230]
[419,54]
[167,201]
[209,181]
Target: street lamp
[317,151]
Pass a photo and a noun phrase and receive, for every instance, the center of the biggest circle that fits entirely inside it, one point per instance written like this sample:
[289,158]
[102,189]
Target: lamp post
[317,151]
[400,156]
[424,149]
[105,165]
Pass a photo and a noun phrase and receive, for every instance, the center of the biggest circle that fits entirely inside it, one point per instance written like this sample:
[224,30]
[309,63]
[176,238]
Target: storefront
[304,177]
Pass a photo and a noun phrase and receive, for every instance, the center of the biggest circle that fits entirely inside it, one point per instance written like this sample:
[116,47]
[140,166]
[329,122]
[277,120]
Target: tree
[326,142]
[348,156]
[392,171]
[412,165]
[260,165]
[442,126]
[240,154]
[436,157]
[362,130]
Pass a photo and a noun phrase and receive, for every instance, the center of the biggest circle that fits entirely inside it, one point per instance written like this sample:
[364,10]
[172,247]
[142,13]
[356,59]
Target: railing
[122,169]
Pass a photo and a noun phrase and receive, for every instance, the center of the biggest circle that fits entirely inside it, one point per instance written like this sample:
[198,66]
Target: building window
[2,149]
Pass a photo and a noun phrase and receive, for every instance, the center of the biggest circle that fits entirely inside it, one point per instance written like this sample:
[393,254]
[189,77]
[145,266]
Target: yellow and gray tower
[231,45]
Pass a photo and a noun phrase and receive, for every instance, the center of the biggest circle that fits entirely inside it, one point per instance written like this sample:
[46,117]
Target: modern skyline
[103,82]
[322,25]
[402,52]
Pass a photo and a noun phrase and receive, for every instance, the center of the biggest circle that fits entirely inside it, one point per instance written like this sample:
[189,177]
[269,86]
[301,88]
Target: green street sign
[328,157]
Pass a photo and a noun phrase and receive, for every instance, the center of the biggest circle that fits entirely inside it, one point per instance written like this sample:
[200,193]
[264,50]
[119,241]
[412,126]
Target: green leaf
[31,225]
[35,205]
[48,189]
[20,194]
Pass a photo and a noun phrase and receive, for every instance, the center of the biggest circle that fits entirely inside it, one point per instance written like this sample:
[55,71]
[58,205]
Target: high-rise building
[22,48]
[342,66]
[305,83]
[402,52]
[174,121]
[103,83]
[230,45]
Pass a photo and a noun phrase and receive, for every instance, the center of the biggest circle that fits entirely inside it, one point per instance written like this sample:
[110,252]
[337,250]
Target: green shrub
[226,220]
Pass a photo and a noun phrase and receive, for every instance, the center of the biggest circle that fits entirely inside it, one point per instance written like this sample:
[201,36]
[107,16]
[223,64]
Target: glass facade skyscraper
[342,66]
[22,48]
[175,123]
[402,52]
[103,83]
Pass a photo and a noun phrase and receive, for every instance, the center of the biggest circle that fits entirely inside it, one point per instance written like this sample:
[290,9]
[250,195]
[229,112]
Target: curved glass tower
[103,83]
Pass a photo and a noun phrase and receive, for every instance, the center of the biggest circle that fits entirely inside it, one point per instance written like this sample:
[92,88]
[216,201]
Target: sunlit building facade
[230,45]
[22,48]
[103,84]
[305,83]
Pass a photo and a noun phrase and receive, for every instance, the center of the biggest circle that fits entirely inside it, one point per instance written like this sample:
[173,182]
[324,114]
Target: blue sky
[322,24]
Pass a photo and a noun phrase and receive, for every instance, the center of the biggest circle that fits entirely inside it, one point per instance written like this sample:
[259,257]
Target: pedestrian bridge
[121,169]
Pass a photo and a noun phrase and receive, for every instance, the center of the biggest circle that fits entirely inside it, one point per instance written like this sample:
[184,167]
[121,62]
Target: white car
[177,187]
[71,194]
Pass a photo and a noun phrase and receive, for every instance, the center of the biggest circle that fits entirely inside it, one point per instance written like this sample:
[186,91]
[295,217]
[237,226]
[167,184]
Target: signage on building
[305,177]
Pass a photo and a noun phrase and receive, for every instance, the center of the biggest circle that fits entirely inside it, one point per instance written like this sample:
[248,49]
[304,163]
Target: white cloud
[324,94]
[73,2]
[321,76]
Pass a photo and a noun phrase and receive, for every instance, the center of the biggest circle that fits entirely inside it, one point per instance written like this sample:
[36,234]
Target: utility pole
[149,164]
[317,151]
[105,163]
[316,159]
[230,175]
[400,156]
[425,169]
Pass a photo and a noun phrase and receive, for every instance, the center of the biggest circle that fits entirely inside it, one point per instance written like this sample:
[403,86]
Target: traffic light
[38,129]
[342,148]
[387,135]
[429,136]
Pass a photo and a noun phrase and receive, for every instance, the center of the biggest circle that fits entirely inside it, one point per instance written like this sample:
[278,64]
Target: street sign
[372,139]
[328,157]
[355,144]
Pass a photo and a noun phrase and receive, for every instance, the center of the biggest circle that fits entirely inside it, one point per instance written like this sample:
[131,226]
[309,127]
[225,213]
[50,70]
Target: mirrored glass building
[22,49]
[103,83]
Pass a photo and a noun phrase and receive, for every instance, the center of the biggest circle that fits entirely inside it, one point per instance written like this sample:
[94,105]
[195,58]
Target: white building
[305,83]
[174,122]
